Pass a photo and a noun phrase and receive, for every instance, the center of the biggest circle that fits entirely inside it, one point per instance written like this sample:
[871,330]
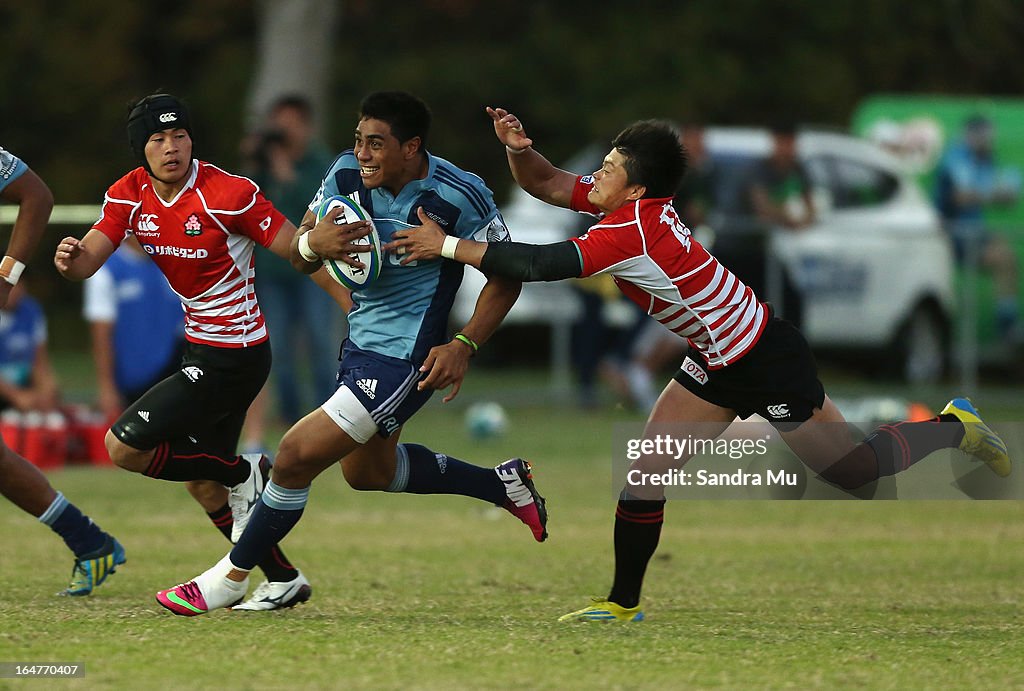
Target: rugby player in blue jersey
[97,554]
[397,353]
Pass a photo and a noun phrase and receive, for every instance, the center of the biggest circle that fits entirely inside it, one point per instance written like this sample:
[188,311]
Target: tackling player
[199,224]
[741,360]
[97,554]
[397,353]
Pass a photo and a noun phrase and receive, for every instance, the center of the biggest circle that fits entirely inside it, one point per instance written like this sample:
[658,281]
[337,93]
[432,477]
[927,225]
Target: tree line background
[574,71]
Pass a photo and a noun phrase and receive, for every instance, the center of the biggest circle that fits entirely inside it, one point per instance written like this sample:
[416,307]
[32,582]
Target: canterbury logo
[147,223]
[778,411]
[169,117]
[144,414]
[193,373]
[369,387]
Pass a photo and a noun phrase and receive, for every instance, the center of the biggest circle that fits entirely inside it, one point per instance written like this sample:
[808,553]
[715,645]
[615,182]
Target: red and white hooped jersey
[657,264]
[203,242]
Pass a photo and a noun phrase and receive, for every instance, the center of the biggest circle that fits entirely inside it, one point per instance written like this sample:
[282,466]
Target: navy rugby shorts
[376,393]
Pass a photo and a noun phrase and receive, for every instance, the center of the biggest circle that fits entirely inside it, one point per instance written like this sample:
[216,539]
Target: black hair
[296,102]
[407,115]
[655,158]
[151,114]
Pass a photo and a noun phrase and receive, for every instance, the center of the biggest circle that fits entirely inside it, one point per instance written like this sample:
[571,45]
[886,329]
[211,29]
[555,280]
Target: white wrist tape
[451,243]
[305,250]
[10,270]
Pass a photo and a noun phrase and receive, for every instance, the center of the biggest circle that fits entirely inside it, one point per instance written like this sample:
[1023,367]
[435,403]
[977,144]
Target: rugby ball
[349,276]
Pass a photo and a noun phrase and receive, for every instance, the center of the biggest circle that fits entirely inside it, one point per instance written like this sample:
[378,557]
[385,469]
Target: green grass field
[443,592]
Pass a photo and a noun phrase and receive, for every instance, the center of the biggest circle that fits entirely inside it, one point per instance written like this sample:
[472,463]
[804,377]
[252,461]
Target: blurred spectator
[656,350]
[607,327]
[967,183]
[303,320]
[776,194]
[27,379]
[695,199]
[603,338]
[779,190]
[135,321]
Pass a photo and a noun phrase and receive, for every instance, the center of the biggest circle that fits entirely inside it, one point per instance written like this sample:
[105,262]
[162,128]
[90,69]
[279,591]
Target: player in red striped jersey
[742,360]
[199,224]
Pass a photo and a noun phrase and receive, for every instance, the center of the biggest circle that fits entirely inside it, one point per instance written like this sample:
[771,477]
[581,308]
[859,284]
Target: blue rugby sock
[80,534]
[418,470]
[276,566]
[276,513]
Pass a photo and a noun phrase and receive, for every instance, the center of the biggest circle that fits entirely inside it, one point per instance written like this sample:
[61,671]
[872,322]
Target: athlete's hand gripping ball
[333,241]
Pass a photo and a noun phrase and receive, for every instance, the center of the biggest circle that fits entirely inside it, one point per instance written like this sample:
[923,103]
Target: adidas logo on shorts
[144,414]
[369,387]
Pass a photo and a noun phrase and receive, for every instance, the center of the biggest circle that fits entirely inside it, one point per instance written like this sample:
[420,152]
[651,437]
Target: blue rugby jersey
[23,328]
[404,312]
[22,331]
[130,291]
[11,168]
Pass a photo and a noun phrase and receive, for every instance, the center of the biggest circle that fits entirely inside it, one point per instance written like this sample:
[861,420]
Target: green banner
[918,129]
[921,127]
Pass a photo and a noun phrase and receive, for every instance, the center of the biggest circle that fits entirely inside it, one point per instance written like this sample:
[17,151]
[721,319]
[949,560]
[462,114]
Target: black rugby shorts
[777,379]
[205,399]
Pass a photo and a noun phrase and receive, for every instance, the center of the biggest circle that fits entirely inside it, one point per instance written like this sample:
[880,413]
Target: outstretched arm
[534,173]
[79,259]
[514,260]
